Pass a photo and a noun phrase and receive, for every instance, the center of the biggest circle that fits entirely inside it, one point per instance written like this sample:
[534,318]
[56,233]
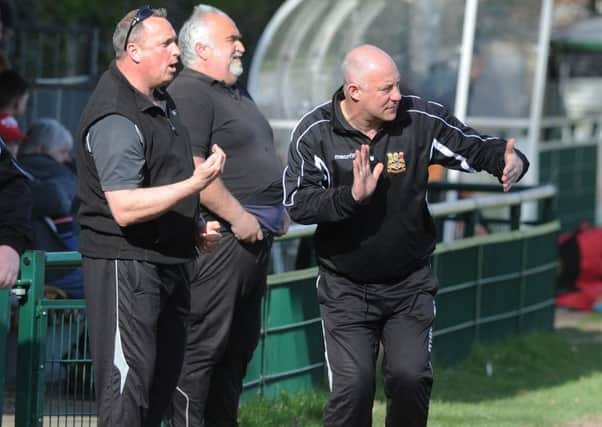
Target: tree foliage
[251,17]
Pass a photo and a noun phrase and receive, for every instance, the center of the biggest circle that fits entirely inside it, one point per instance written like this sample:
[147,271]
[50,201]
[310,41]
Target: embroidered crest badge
[396,162]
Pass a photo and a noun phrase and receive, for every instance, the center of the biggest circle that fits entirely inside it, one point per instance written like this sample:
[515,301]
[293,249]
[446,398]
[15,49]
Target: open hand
[513,166]
[364,179]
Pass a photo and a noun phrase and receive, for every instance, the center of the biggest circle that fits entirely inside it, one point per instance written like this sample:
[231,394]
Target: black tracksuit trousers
[357,318]
[223,331]
[137,315]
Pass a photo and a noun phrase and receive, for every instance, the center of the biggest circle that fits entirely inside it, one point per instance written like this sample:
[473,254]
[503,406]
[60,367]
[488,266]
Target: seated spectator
[48,136]
[14,94]
[45,156]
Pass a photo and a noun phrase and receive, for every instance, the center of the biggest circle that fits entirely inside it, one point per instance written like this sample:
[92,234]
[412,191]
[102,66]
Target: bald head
[371,88]
[365,60]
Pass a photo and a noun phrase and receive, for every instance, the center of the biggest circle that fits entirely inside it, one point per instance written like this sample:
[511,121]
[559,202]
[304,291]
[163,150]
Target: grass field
[550,379]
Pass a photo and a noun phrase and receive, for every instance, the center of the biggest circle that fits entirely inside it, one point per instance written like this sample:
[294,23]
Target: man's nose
[240,46]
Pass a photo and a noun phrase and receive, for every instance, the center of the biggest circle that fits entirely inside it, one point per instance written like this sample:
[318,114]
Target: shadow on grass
[521,364]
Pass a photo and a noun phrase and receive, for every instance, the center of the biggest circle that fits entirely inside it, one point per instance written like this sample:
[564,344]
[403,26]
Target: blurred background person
[15,210]
[14,94]
[46,155]
[6,32]
[49,137]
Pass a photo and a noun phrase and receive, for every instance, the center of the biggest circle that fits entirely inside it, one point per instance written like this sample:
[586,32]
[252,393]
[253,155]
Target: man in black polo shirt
[139,209]
[247,201]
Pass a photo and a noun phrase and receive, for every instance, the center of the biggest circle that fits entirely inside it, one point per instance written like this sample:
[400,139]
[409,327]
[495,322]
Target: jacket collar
[341,125]
[142,101]
[197,75]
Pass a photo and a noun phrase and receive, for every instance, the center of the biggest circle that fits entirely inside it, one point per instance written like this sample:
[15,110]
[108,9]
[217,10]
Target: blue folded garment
[270,217]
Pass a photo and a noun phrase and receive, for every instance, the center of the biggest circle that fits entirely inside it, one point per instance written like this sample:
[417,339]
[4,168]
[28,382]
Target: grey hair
[195,30]
[123,26]
[48,134]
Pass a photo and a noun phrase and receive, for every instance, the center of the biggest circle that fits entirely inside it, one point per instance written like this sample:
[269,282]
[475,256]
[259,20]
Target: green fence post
[470,219]
[478,295]
[548,209]
[30,344]
[524,246]
[4,320]
[515,211]
[265,317]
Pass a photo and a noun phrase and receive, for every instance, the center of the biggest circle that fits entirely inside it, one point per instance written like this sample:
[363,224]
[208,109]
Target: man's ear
[353,90]
[133,52]
[201,51]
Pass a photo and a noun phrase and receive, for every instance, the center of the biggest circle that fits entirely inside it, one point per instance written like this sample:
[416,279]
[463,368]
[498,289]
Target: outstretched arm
[457,146]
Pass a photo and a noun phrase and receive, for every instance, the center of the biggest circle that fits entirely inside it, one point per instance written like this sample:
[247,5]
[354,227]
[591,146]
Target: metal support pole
[4,323]
[539,83]
[470,24]
[461,106]
[265,40]
[30,344]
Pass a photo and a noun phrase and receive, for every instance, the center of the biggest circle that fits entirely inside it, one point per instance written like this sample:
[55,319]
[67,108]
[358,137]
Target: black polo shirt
[216,113]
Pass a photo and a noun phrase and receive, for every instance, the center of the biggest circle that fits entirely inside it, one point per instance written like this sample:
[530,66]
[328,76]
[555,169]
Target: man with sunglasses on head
[246,200]
[140,232]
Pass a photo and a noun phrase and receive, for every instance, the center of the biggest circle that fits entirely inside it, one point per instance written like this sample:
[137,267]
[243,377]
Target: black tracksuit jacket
[392,234]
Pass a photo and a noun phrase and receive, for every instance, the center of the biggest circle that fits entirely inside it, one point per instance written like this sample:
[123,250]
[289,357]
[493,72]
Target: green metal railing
[4,322]
[573,168]
[491,286]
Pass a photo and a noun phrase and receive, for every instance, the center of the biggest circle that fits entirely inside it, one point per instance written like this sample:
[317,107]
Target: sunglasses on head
[143,13]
